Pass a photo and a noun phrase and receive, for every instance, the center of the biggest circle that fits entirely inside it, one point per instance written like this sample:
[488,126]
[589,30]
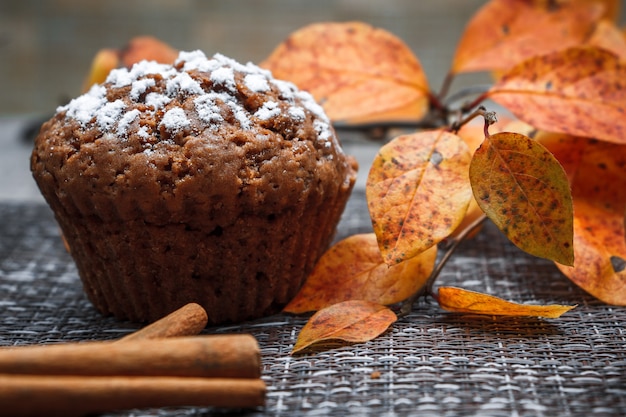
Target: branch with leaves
[552,179]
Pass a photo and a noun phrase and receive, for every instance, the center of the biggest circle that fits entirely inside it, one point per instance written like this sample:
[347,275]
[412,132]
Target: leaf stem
[427,289]
[489,116]
[467,107]
[445,86]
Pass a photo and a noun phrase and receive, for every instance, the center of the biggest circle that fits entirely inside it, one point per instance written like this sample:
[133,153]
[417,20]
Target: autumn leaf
[504,33]
[523,189]
[608,36]
[103,62]
[353,269]
[357,72]
[147,48]
[417,192]
[580,91]
[465,301]
[351,321]
[138,49]
[473,135]
[597,171]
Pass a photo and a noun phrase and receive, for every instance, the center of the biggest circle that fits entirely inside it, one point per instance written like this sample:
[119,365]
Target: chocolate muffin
[205,181]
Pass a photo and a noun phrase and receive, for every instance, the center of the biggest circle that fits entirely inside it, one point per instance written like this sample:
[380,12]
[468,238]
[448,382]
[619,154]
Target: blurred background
[46,47]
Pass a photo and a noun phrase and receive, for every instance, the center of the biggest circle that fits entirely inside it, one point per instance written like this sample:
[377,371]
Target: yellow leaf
[597,171]
[580,91]
[524,191]
[473,135]
[504,33]
[104,61]
[354,269]
[417,192]
[351,321]
[465,301]
[355,71]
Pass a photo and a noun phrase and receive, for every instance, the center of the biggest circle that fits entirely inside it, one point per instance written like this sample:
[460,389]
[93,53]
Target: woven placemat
[430,363]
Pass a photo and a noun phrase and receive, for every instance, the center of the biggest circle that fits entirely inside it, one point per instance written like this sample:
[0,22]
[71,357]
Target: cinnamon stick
[225,356]
[36,395]
[188,320]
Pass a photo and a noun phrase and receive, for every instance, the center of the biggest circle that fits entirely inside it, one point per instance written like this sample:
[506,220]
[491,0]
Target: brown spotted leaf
[523,189]
[417,192]
[598,178]
[466,301]
[473,134]
[353,269]
[351,321]
[580,91]
[504,33]
[357,72]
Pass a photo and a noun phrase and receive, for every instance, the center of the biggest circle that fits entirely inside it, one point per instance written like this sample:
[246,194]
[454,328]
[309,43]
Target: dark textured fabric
[431,363]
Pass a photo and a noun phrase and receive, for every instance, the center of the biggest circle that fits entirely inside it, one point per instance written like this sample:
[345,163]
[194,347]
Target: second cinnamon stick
[36,395]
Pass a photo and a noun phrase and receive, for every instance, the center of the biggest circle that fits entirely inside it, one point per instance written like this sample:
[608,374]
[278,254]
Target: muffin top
[162,141]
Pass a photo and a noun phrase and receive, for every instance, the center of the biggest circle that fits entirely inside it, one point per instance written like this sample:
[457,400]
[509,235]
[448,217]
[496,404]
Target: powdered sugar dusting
[125,121]
[153,87]
[257,83]
[175,120]
[108,114]
[140,86]
[224,76]
[297,113]
[208,109]
[85,107]
[156,100]
[183,83]
[270,109]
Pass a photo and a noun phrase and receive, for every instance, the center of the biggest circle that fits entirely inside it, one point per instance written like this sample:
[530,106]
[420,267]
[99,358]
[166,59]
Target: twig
[489,116]
[427,289]
[465,92]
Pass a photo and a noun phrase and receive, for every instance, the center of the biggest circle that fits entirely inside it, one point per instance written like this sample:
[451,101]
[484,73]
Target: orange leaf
[104,61]
[355,71]
[580,91]
[138,49]
[417,192]
[524,191]
[504,33]
[473,134]
[608,36]
[354,269]
[147,48]
[598,175]
[465,301]
[352,321]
